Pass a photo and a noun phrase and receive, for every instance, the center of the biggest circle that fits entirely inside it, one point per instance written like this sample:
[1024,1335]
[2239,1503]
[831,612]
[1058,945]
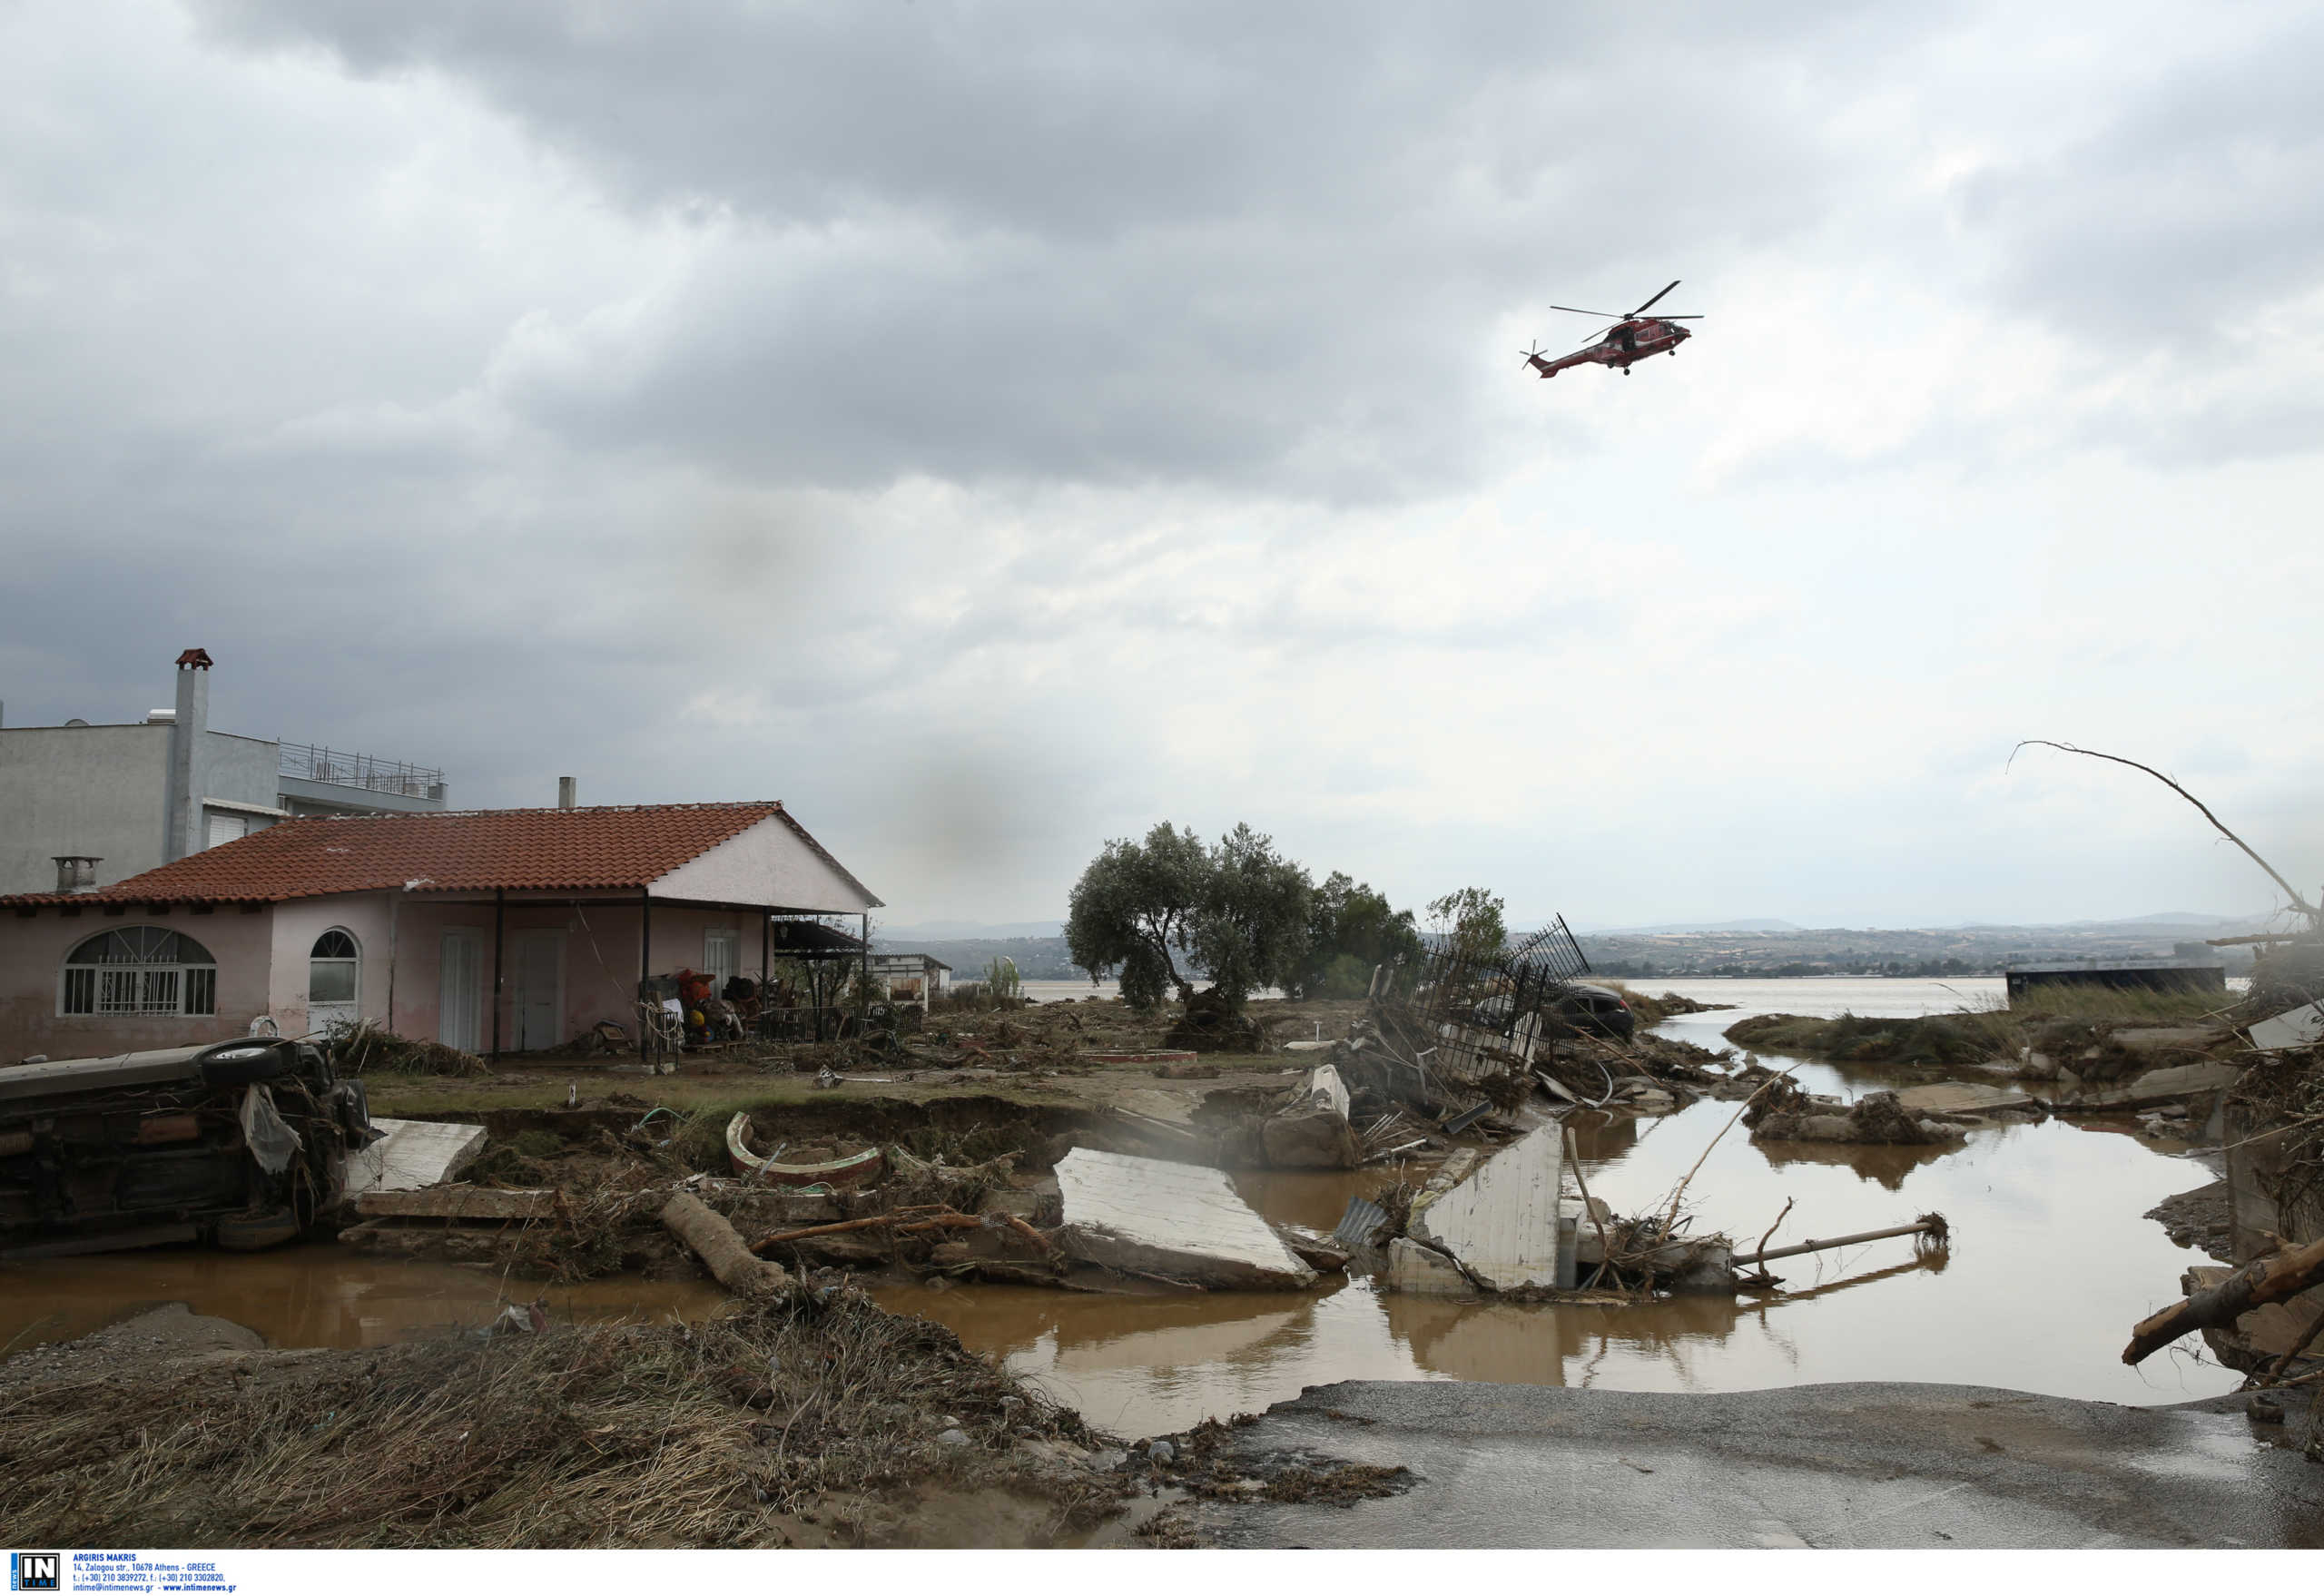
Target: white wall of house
[765,864]
[105,791]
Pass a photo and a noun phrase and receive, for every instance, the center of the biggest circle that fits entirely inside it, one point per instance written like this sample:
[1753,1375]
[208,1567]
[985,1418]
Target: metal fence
[307,763]
[1487,1008]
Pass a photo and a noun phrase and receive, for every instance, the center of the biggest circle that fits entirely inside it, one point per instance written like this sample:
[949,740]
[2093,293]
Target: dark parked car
[241,1143]
[1598,1010]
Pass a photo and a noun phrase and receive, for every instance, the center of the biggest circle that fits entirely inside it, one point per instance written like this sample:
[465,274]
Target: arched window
[330,969]
[140,969]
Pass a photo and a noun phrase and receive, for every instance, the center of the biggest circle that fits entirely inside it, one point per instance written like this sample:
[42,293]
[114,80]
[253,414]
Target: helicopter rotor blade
[1642,309]
[1695,318]
[1601,315]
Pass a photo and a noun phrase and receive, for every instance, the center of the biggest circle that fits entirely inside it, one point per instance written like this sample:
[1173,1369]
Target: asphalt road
[1855,1466]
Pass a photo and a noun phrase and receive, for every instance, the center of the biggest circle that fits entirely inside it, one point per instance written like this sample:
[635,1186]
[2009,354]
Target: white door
[722,958]
[539,1006]
[459,992]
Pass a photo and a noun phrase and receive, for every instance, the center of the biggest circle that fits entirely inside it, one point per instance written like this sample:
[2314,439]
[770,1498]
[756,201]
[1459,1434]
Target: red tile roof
[461,851]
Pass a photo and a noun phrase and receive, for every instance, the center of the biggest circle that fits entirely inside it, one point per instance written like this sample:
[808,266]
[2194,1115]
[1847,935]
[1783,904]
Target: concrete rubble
[1182,1222]
[1501,1224]
[1312,1132]
[414,1153]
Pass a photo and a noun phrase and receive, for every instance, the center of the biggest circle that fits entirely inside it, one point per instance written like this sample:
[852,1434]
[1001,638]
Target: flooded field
[2051,1262]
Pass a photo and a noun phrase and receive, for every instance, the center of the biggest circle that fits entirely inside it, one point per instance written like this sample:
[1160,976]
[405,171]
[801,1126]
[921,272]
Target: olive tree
[1134,907]
[1250,926]
[1237,911]
[1469,920]
[1350,929]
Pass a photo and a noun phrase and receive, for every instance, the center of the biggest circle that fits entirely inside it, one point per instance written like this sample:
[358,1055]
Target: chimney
[181,824]
[76,873]
[567,792]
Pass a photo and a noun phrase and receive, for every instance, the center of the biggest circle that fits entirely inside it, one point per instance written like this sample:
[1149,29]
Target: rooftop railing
[307,763]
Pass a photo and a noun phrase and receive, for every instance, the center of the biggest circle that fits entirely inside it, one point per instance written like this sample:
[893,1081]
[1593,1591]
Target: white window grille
[139,970]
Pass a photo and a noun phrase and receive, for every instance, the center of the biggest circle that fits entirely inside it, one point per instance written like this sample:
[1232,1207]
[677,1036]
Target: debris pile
[1783,1111]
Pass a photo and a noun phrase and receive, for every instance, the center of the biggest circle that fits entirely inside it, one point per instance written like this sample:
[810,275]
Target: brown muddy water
[2050,1264]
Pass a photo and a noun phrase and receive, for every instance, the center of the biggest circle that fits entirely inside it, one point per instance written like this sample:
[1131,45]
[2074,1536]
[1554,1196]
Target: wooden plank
[1501,1224]
[1179,1220]
[457,1202]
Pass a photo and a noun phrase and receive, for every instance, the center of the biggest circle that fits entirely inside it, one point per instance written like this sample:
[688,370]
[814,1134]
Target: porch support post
[645,958]
[863,980]
[499,922]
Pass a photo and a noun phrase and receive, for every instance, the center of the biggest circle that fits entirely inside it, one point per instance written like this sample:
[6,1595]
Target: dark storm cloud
[2192,200]
[1257,246]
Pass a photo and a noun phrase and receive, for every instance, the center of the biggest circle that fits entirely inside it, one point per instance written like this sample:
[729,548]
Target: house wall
[765,864]
[96,790]
[31,961]
[599,956]
[105,790]
[263,966]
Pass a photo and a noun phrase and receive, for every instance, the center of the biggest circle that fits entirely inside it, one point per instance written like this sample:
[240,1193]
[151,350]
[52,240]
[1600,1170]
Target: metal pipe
[1929,1227]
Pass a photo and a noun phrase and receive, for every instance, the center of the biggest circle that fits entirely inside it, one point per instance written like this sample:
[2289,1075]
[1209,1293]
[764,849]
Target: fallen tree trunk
[722,1251]
[2270,1279]
[902,1226]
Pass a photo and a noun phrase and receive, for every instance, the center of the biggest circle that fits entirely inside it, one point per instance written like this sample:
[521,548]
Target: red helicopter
[1630,340]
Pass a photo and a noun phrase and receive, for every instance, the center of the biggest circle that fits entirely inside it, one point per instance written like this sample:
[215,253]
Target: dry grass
[622,1435]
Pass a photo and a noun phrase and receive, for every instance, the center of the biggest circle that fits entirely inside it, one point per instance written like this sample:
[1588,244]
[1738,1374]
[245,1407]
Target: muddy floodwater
[2051,1263]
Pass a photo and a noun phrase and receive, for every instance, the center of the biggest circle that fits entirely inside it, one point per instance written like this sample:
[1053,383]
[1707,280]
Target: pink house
[494,931]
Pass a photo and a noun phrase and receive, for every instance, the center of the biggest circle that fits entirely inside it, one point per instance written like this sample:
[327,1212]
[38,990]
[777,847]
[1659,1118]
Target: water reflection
[322,1295]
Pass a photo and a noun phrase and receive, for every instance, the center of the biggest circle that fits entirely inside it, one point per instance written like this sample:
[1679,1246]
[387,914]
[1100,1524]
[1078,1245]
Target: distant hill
[1730,927]
[900,937]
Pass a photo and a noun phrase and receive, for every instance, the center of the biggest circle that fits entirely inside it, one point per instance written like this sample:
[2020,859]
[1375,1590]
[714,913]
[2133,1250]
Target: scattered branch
[2315,915]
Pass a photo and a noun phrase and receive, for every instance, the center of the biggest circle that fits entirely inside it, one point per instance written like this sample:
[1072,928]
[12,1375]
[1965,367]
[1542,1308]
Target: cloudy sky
[995,429]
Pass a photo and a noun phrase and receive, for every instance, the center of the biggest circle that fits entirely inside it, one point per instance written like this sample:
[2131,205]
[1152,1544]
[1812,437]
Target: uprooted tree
[1237,911]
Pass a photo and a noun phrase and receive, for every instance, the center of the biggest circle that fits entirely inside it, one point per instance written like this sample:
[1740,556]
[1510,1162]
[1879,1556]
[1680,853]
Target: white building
[911,978]
[118,800]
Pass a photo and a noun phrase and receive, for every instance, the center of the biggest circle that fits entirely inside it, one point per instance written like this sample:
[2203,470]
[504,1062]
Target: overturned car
[239,1143]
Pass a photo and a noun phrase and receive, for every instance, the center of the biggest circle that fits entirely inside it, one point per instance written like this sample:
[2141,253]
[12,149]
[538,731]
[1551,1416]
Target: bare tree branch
[2298,903]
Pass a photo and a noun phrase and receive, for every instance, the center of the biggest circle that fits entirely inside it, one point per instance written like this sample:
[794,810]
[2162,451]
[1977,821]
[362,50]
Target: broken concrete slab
[457,1201]
[1501,1224]
[1182,1221]
[2156,1085]
[1324,1254]
[1419,1271]
[1961,1097]
[1313,1132]
[2295,1028]
[414,1153]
